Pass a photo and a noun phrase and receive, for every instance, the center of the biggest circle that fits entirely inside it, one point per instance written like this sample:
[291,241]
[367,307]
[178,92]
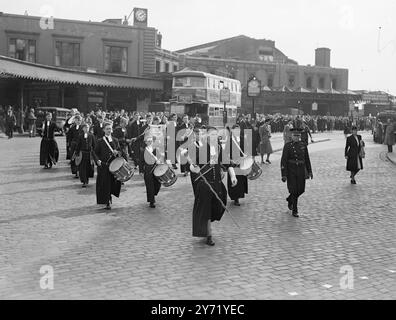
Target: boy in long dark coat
[74,134]
[207,208]
[86,145]
[49,152]
[153,186]
[237,192]
[106,184]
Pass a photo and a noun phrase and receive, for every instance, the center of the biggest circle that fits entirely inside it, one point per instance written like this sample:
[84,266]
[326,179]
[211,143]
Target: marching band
[201,151]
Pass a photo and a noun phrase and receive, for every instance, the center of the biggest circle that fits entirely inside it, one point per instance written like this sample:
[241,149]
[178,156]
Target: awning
[30,71]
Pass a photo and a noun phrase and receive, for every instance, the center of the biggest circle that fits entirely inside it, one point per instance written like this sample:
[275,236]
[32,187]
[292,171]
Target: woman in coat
[353,147]
[265,143]
[390,135]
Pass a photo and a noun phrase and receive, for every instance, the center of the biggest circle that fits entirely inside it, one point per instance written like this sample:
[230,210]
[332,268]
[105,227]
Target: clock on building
[141,15]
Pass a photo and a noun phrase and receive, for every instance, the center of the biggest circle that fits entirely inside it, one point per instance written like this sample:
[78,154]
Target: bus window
[195,82]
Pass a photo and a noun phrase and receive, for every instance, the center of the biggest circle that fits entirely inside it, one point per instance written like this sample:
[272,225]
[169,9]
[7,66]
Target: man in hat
[295,168]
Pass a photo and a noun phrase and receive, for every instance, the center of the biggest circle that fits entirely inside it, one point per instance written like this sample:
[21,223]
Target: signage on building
[225,95]
[376,98]
[314,106]
[184,98]
[254,87]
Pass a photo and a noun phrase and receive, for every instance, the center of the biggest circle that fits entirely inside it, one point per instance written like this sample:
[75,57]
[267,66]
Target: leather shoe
[236,203]
[295,214]
[152,205]
[210,242]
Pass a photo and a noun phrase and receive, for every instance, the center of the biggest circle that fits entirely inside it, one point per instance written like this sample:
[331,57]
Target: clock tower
[140,17]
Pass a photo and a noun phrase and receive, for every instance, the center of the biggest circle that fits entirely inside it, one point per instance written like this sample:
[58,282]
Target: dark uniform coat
[295,165]
[86,146]
[133,131]
[153,186]
[182,129]
[49,152]
[121,135]
[106,183]
[98,131]
[239,191]
[74,135]
[352,151]
[206,205]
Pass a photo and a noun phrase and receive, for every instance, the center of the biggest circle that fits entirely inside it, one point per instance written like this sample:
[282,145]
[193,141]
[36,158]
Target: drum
[250,168]
[121,169]
[165,175]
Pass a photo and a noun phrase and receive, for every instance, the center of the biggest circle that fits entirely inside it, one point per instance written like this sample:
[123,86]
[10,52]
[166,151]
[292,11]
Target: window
[174,68]
[116,59]
[67,54]
[166,66]
[292,81]
[270,81]
[266,55]
[22,49]
[309,83]
[321,83]
[194,82]
[334,84]
[157,66]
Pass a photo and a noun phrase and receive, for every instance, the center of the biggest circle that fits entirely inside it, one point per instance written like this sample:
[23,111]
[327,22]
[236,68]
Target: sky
[360,33]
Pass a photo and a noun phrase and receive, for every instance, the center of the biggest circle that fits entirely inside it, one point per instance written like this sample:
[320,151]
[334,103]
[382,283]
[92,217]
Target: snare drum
[165,175]
[121,169]
[250,168]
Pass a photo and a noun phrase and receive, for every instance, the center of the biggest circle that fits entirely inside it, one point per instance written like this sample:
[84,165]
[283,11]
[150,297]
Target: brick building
[285,84]
[77,63]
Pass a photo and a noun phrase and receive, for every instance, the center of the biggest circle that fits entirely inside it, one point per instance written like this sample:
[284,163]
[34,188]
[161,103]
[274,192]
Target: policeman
[295,168]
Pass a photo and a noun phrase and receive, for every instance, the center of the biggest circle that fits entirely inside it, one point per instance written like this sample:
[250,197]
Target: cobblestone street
[47,219]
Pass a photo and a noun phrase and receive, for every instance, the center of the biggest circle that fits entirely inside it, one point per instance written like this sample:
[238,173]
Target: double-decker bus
[198,93]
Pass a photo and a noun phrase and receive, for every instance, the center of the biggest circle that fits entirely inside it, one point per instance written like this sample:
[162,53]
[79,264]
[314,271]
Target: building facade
[112,49]
[286,85]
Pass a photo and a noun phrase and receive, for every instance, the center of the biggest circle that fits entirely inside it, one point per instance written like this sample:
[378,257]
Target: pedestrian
[265,142]
[73,136]
[353,149]
[32,123]
[295,168]
[10,123]
[390,135]
[49,152]
[85,150]
[287,136]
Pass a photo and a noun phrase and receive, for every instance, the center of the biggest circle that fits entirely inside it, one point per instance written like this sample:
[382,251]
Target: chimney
[322,57]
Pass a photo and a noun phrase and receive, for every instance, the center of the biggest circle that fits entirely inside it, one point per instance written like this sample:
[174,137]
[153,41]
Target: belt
[296,162]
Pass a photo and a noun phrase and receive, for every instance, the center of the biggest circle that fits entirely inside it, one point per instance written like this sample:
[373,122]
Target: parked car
[59,116]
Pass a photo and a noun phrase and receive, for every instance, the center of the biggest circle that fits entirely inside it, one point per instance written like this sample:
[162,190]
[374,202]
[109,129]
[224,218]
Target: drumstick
[217,197]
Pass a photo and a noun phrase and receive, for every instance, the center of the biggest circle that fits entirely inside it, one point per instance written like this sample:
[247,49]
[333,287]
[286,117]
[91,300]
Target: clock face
[141,15]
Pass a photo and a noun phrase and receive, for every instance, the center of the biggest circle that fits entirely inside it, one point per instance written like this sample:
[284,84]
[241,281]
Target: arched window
[321,83]
[309,83]
[270,81]
[334,84]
